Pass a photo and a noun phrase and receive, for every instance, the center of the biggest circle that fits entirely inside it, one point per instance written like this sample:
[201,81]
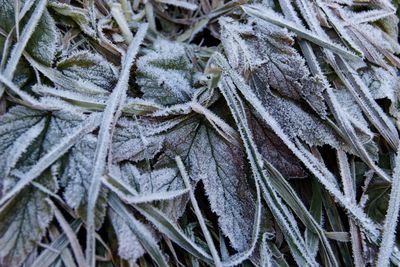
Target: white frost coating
[17,123]
[165,74]
[53,154]
[200,218]
[270,16]
[23,40]
[180,3]
[283,215]
[317,168]
[77,171]
[129,247]
[114,103]
[57,77]
[389,228]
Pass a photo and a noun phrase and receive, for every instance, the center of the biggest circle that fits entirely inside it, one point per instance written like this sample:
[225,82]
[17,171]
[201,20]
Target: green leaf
[23,222]
[165,74]
[42,44]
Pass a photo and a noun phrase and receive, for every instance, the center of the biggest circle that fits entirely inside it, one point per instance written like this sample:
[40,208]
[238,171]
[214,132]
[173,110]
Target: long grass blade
[145,237]
[392,214]
[19,47]
[114,103]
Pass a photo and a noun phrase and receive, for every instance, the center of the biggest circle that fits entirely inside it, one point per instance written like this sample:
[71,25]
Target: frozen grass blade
[281,213]
[349,191]
[145,237]
[48,256]
[207,235]
[179,3]
[19,47]
[270,16]
[324,176]
[172,231]
[116,100]
[70,233]
[391,219]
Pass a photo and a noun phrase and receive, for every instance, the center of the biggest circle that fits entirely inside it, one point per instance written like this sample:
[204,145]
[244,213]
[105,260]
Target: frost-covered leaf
[296,122]
[78,15]
[76,179]
[20,122]
[83,78]
[241,55]
[18,129]
[43,43]
[148,182]
[381,83]
[220,167]
[129,247]
[25,217]
[86,66]
[267,55]
[218,164]
[23,222]
[165,74]
[274,150]
[139,139]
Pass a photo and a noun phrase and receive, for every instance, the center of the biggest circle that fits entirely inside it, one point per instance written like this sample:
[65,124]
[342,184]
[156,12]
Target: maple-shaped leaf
[267,55]
[31,141]
[220,167]
[31,134]
[212,160]
[165,74]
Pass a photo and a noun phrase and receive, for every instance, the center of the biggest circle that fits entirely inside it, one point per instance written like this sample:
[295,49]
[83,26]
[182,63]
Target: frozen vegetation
[199,133]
